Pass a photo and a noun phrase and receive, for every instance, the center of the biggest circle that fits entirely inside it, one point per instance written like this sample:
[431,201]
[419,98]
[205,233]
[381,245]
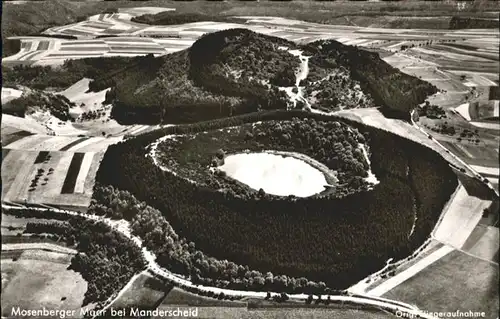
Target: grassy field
[455,282]
[474,154]
[483,243]
[40,280]
[146,291]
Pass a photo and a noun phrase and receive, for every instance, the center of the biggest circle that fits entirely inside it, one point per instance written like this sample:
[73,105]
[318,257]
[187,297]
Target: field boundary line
[408,273]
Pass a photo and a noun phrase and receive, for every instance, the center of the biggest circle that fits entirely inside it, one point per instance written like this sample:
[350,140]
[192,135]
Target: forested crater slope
[337,240]
[238,71]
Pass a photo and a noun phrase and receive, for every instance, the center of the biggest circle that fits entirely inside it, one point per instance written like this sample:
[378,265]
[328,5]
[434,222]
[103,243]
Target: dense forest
[203,82]
[234,72]
[238,71]
[181,256]
[294,236]
[106,259]
[191,156]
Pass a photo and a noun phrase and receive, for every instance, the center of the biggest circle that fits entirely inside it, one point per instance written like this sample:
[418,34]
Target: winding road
[123,227]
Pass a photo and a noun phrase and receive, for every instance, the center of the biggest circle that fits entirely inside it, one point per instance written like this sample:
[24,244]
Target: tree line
[181,256]
[106,259]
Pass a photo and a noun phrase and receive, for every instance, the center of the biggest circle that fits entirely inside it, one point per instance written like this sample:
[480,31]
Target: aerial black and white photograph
[259,159]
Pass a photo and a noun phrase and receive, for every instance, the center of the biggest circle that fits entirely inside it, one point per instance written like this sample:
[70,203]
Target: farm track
[123,227]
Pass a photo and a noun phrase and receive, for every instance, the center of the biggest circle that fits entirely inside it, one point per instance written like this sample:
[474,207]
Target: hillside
[32,19]
[396,92]
[239,71]
[35,100]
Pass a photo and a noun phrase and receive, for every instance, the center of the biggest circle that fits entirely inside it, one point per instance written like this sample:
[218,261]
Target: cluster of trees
[92,115]
[151,90]
[216,57]
[443,129]
[31,213]
[294,237]
[332,143]
[39,174]
[471,136]
[397,92]
[106,259]
[431,111]
[336,89]
[58,105]
[256,55]
[430,178]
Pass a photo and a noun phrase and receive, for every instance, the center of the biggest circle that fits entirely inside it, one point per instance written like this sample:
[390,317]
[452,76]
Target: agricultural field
[145,291]
[49,177]
[483,242]
[150,293]
[118,36]
[45,276]
[449,283]
[459,219]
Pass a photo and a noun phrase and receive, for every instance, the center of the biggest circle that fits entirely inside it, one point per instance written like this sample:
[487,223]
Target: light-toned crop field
[455,282]
[460,218]
[483,243]
[15,165]
[40,280]
[19,169]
